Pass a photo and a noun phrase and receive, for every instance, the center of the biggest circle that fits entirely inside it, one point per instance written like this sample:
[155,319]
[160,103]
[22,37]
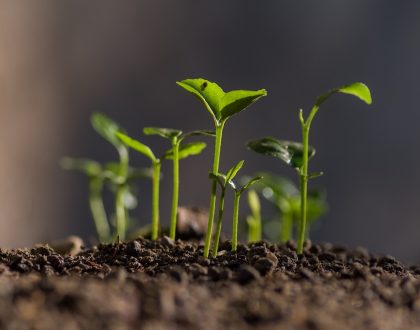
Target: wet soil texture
[168,285]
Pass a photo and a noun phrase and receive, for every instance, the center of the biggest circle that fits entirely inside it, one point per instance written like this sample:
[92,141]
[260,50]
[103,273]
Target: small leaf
[87,166]
[167,133]
[199,132]
[136,145]
[288,151]
[209,93]
[238,100]
[186,150]
[220,178]
[234,170]
[357,89]
[106,127]
[250,183]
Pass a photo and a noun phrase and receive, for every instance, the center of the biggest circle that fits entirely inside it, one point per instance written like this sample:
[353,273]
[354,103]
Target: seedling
[298,155]
[176,137]
[254,220]
[183,152]
[107,128]
[221,107]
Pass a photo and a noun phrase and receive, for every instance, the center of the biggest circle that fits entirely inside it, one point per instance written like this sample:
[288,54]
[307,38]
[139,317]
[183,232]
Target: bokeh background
[62,60]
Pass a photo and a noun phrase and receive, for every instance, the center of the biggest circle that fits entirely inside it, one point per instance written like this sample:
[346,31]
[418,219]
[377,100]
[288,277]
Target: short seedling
[183,152]
[298,155]
[254,221]
[176,137]
[221,107]
[107,128]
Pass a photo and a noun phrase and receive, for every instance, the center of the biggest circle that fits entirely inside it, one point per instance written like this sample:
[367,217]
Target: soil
[164,284]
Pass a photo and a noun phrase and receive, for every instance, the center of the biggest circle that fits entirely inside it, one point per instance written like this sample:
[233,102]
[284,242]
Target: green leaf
[87,166]
[220,178]
[199,132]
[186,150]
[106,127]
[238,100]
[137,145]
[167,133]
[250,183]
[234,170]
[357,89]
[288,151]
[209,93]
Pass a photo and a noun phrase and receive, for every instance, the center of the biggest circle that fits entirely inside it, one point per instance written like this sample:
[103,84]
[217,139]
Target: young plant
[95,173]
[298,155]
[221,106]
[107,128]
[254,220]
[176,137]
[183,152]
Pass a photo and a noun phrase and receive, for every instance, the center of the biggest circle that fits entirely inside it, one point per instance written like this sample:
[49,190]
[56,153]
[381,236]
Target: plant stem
[155,199]
[219,222]
[217,149]
[120,210]
[235,221]
[175,191]
[303,187]
[98,210]
[286,227]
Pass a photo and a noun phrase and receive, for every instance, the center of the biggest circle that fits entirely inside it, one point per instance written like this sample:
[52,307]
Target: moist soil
[164,284]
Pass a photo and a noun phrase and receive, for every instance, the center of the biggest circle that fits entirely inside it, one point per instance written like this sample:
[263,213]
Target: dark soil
[168,285]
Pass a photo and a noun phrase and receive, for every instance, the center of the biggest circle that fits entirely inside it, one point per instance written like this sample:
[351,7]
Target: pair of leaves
[289,152]
[221,105]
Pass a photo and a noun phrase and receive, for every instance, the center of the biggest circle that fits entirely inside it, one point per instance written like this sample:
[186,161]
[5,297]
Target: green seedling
[183,152]
[221,106]
[176,137]
[95,173]
[254,220]
[107,128]
[298,155]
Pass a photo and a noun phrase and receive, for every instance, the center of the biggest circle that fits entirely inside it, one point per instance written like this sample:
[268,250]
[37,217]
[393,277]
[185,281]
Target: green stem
[155,199]
[219,223]
[235,221]
[98,210]
[175,191]
[120,210]
[286,227]
[217,149]
[303,187]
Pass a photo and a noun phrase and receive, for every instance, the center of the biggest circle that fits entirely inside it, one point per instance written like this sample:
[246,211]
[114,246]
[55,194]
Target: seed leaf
[209,93]
[185,150]
[234,170]
[136,145]
[87,166]
[106,127]
[357,89]
[167,133]
[238,100]
[288,151]
[250,183]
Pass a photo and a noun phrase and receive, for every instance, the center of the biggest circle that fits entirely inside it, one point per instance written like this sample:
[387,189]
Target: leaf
[186,150]
[288,151]
[199,132]
[234,170]
[137,145]
[209,93]
[167,133]
[357,89]
[112,170]
[106,127]
[220,178]
[250,183]
[87,166]
[238,100]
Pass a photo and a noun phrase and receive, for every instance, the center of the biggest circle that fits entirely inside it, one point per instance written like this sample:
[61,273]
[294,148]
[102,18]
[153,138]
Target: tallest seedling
[221,107]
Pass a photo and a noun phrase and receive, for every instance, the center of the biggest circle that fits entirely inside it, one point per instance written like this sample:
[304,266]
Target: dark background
[60,61]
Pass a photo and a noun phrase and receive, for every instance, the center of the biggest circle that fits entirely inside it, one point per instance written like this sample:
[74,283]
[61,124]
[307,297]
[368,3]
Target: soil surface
[163,284]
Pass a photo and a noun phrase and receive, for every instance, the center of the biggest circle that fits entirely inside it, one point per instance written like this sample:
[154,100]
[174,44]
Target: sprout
[221,107]
[297,155]
[177,153]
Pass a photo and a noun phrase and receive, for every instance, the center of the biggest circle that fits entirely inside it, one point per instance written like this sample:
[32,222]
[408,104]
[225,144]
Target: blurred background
[60,61]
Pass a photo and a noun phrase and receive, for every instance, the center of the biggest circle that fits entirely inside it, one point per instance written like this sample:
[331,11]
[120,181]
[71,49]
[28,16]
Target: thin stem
[175,191]
[303,185]
[98,210]
[217,149]
[155,199]
[219,222]
[286,227]
[120,210]
[235,221]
